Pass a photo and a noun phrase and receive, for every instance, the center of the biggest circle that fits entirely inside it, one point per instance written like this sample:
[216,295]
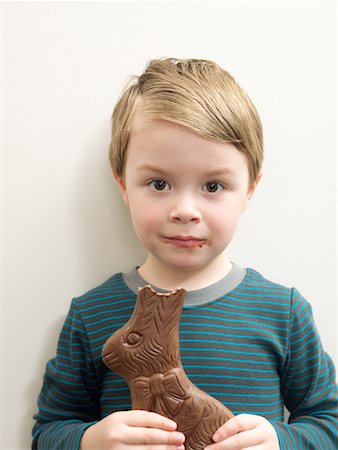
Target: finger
[152,436]
[140,418]
[235,425]
[240,441]
[155,447]
[151,447]
[158,447]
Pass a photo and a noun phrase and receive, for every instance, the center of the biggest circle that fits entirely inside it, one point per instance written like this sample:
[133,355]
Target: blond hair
[195,93]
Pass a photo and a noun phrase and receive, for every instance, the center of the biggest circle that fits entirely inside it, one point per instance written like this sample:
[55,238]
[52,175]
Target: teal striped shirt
[255,348]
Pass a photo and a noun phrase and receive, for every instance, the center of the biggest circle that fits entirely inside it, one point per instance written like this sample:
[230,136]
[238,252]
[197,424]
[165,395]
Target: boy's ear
[251,190]
[122,188]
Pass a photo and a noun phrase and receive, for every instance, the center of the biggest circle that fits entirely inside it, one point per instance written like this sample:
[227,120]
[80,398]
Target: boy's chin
[181,265]
[194,261]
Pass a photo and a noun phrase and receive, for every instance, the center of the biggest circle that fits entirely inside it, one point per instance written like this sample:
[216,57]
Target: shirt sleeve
[68,399]
[308,386]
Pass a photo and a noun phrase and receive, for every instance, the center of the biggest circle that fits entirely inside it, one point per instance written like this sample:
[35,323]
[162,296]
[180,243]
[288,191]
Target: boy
[186,152]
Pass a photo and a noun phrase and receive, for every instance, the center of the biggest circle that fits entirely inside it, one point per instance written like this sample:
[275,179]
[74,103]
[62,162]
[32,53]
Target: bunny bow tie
[161,393]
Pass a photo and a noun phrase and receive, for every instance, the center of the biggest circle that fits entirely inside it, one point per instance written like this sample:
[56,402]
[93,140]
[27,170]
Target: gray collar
[199,296]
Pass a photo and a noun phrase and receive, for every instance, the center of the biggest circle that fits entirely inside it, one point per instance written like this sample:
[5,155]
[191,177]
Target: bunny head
[148,342]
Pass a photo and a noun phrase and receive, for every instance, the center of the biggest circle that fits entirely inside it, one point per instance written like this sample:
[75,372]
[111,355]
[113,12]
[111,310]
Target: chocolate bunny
[145,351]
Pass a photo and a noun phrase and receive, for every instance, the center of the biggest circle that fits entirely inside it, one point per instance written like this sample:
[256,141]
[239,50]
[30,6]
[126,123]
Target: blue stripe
[235,313]
[259,330]
[266,380]
[221,350]
[107,319]
[233,386]
[107,390]
[230,360]
[247,396]
[110,313]
[243,297]
[266,290]
[233,369]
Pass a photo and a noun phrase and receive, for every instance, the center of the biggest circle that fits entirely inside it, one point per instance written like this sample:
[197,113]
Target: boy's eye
[159,185]
[213,186]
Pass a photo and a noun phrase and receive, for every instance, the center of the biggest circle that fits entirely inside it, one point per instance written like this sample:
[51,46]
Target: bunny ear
[173,301]
[148,298]
[145,306]
[160,310]
[170,307]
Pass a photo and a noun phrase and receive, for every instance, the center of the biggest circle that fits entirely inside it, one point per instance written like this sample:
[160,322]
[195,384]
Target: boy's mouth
[185,241]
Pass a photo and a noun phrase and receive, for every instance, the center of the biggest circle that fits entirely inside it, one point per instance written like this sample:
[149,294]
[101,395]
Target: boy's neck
[164,277]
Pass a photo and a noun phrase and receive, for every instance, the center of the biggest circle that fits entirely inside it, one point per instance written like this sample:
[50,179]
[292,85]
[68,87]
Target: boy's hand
[141,430]
[245,432]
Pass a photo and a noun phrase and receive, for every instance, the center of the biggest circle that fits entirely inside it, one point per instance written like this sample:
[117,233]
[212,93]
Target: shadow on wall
[33,387]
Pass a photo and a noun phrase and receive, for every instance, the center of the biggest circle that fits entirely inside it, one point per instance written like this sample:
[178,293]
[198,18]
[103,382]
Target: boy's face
[185,194]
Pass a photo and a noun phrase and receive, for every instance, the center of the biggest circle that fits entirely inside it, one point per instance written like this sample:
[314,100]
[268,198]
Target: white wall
[65,228]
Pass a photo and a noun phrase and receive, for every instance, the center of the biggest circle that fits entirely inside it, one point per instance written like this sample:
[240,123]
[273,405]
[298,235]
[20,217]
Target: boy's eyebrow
[209,173]
[221,171]
[151,168]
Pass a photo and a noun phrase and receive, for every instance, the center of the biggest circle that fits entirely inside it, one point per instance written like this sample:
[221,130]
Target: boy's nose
[184,211]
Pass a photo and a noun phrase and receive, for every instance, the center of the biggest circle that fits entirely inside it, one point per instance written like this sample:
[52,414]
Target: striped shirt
[247,341]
